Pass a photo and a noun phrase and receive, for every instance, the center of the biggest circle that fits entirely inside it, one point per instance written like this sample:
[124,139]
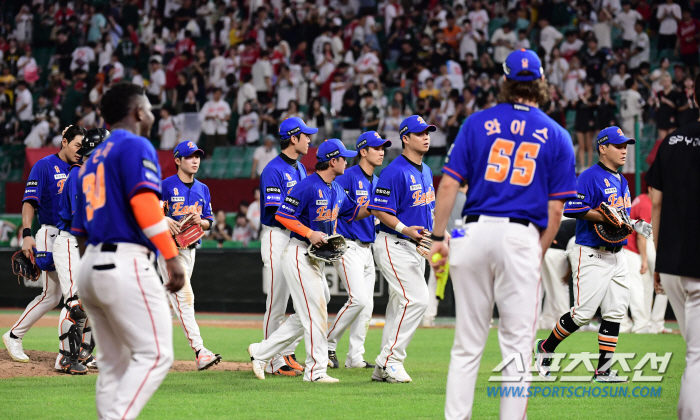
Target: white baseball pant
[182,302]
[600,280]
[356,270]
[273,241]
[555,265]
[310,296]
[494,262]
[658,310]
[392,303]
[684,295]
[641,293]
[404,270]
[432,309]
[51,294]
[132,322]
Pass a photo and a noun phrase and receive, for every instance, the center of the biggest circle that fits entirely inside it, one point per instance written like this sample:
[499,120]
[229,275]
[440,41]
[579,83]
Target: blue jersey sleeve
[386,195]
[273,188]
[206,209]
[141,171]
[348,208]
[35,183]
[456,163]
[78,225]
[561,183]
[292,205]
[586,196]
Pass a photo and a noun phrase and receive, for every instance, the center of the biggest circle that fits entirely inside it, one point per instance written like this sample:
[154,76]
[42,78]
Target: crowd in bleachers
[224,73]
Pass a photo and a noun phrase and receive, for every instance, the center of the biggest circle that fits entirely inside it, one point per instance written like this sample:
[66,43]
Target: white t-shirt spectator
[337,92]
[37,137]
[549,37]
[556,71]
[138,80]
[168,132]
[468,44]
[24,97]
[253,217]
[366,62]
[217,71]
[618,82]
[241,234]
[603,33]
[157,81]
[615,6]
[30,68]
[286,91]
[250,123]
[522,43]
[390,13]
[118,71]
[261,69]
[640,41]
[221,111]
[245,93]
[480,21]
[627,21]
[572,85]
[263,156]
[668,25]
[89,120]
[566,48]
[500,52]
[390,129]
[631,104]
[82,57]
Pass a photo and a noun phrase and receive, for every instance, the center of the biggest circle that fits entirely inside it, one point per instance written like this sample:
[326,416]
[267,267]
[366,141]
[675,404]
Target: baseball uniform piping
[311,330]
[272,282]
[155,336]
[70,272]
[396,339]
[46,286]
[182,321]
[578,291]
[347,280]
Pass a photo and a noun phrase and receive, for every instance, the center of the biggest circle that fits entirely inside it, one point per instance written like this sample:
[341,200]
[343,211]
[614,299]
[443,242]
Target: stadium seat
[254,244]
[233,245]
[209,244]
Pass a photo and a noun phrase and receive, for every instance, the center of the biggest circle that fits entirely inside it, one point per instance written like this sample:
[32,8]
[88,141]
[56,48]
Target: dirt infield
[8,320]
[41,363]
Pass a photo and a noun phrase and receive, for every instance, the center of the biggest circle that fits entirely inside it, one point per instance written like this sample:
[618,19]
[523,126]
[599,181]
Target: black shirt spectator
[595,62]
[667,115]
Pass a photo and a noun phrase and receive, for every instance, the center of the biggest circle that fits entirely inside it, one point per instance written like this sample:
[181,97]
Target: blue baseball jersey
[181,199]
[514,159]
[67,199]
[276,180]
[359,188]
[597,185]
[318,205]
[406,191]
[46,180]
[117,170]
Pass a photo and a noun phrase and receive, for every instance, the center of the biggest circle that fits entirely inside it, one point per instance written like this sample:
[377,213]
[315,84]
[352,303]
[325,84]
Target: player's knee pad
[76,308]
[70,336]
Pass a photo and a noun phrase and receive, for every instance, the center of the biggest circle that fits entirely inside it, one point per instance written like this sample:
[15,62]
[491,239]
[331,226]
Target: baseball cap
[414,124]
[333,148]
[295,125]
[371,139]
[186,149]
[523,60]
[613,135]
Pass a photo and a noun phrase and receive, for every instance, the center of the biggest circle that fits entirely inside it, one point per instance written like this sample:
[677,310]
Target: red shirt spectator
[688,33]
[248,57]
[175,66]
[62,15]
[641,209]
[645,10]
[186,45]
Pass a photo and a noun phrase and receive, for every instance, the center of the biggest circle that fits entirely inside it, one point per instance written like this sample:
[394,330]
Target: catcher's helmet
[93,138]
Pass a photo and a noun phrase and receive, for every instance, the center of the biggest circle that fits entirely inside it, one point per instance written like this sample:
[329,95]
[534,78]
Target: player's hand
[317,238]
[173,225]
[645,267]
[176,274]
[438,248]
[414,232]
[197,219]
[657,284]
[27,247]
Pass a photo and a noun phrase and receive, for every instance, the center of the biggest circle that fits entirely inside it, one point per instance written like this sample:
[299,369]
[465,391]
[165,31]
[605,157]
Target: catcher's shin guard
[70,337]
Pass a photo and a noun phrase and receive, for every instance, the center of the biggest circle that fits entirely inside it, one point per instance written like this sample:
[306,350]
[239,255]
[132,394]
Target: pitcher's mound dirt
[41,363]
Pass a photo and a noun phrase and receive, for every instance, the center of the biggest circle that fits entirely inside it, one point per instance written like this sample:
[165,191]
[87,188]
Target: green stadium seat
[218,169]
[231,219]
[233,245]
[220,153]
[254,244]
[209,244]
[205,168]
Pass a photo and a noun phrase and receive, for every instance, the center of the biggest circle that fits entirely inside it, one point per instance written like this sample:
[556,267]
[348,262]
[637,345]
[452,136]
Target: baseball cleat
[258,366]
[542,362]
[396,374]
[207,359]
[14,347]
[379,375]
[333,360]
[364,365]
[326,379]
[286,371]
[609,377]
[91,362]
[291,361]
[70,364]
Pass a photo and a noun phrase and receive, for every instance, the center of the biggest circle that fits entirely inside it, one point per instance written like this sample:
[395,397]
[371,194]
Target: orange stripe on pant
[396,339]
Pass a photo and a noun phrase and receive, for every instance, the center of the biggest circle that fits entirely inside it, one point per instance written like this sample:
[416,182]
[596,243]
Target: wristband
[436,238]
[400,227]
[26,232]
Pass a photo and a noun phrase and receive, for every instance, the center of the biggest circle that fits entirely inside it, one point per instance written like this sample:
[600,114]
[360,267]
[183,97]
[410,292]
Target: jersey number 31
[500,161]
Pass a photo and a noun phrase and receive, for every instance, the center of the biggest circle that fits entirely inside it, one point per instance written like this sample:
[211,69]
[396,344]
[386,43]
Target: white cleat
[396,374]
[14,347]
[379,375]
[207,359]
[542,362]
[258,366]
[326,379]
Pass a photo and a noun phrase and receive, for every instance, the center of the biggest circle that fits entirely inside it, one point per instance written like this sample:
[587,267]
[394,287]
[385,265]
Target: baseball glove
[25,267]
[618,226]
[330,251]
[190,232]
[423,247]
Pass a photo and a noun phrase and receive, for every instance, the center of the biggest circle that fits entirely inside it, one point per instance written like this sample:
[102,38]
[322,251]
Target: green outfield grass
[238,395]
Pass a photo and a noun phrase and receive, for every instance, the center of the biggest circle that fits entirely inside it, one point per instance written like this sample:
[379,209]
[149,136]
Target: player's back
[514,159]
[116,171]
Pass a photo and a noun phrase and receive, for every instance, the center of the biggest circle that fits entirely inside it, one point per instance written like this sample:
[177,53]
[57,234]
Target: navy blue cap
[186,149]
[613,135]
[371,139]
[293,126]
[520,60]
[333,148]
[414,124]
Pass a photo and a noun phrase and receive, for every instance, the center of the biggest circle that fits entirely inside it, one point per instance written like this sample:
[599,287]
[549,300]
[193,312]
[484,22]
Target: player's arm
[27,219]
[413,232]
[444,202]
[592,215]
[556,210]
[287,216]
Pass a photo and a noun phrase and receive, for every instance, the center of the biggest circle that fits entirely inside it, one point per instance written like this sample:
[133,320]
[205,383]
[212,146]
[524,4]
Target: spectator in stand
[253,214]
[625,20]
[262,75]
[605,112]
[690,113]
[116,71]
[286,90]
[221,231]
[602,29]
[40,134]
[522,42]
[668,103]
[168,129]
[263,155]
[640,49]
[352,128]
[479,19]
[136,77]
[631,108]
[248,133]
[504,40]
[618,80]
[687,44]
[157,82]
[585,125]
[453,33]
[214,117]
[571,45]
[389,127]
[596,62]
[470,41]
[242,231]
[186,44]
[549,36]
[291,111]
[318,117]
[668,14]
[246,93]
[24,106]
[556,68]
[573,80]
[370,113]
[27,68]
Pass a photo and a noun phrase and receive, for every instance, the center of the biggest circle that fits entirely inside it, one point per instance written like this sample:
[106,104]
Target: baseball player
[119,217]
[310,211]
[600,271]
[403,201]
[519,166]
[182,195]
[74,328]
[276,180]
[356,267]
[46,180]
